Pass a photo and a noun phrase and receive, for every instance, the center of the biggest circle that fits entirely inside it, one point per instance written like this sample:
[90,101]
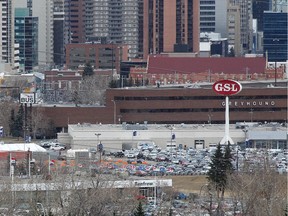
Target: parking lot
[151,160]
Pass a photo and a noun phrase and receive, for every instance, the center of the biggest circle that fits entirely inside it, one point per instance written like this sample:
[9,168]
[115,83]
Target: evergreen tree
[18,125]
[130,82]
[221,167]
[231,52]
[137,82]
[88,70]
[12,122]
[217,173]
[139,211]
[228,159]
[113,83]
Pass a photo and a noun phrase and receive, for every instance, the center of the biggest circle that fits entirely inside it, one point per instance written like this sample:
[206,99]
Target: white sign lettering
[27,98]
[249,103]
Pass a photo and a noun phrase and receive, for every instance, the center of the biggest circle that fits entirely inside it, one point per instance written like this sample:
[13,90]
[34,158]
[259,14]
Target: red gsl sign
[227,87]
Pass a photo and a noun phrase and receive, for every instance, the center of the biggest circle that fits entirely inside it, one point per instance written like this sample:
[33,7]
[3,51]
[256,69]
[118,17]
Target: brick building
[174,105]
[180,70]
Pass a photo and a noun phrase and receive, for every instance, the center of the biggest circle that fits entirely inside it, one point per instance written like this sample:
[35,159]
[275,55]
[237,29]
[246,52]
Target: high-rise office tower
[9,53]
[275,35]
[245,23]
[43,9]
[208,16]
[258,8]
[26,35]
[213,16]
[221,17]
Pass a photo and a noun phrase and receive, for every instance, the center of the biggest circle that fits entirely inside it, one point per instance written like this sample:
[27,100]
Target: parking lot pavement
[176,162]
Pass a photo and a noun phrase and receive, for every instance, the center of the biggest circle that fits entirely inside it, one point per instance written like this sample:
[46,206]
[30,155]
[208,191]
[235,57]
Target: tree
[231,52]
[12,121]
[261,192]
[76,98]
[88,70]
[217,173]
[227,159]
[137,82]
[90,91]
[139,211]
[6,108]
[113,84]
[130,82]
[39,123]
[17,123]
[217,176]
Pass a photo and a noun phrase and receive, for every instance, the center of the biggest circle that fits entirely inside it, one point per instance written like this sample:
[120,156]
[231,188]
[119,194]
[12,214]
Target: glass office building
[26,35]
[275,35]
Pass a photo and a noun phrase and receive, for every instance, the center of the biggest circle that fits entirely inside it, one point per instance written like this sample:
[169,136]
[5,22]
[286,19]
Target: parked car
[57,147]
[131,155]
[46,145]
[119,154]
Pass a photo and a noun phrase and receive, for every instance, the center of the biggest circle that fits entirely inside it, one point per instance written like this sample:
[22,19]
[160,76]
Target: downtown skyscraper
[145,26]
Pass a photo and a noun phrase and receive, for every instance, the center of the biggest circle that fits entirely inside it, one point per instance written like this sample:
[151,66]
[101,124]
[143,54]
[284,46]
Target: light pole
[209,118]
[98,135]
[114,115]
[275,41]
[172,137]
[98,147]
[251,115]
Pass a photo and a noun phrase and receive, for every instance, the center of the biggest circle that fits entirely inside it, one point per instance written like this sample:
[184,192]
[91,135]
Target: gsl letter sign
[227,87]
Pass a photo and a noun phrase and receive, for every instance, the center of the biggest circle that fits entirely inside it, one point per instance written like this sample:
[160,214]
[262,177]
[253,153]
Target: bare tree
[6,107]
[39,122]
[261,192]
[91,90]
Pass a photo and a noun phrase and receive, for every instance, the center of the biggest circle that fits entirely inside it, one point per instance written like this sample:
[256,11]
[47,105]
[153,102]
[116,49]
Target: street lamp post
[251,115]
[98,135]
[98,143]
[275,40]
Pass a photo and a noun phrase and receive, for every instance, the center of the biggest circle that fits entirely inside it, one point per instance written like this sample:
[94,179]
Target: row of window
[202,98]
[201,110]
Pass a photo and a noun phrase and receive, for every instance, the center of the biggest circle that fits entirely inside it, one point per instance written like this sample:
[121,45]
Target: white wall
[113,136]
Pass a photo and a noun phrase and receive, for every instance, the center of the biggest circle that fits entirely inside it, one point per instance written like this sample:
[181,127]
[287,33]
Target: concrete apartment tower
[9,58]
[58,33]
[170,26]
[145,26]
[234,30]
[245,24]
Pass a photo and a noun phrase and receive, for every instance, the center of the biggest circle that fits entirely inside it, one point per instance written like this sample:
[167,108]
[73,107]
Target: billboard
[27,98]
